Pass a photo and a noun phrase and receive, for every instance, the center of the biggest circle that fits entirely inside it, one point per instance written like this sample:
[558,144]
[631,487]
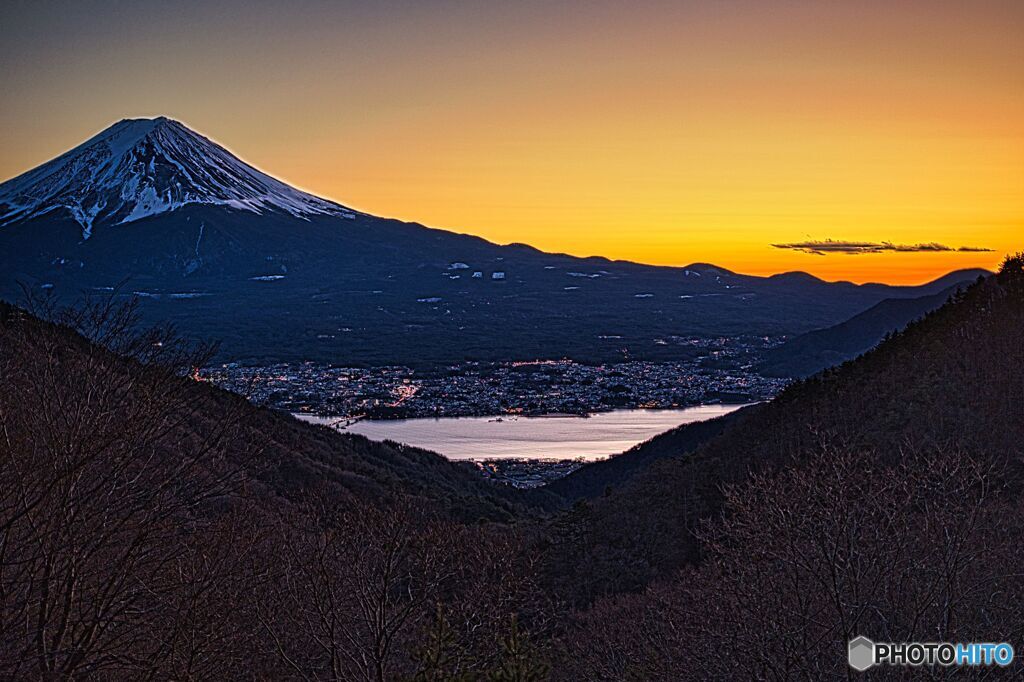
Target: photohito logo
[863,653]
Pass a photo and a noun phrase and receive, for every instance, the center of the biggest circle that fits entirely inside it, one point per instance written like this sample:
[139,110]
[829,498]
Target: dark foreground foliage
[152,527]
[880,498]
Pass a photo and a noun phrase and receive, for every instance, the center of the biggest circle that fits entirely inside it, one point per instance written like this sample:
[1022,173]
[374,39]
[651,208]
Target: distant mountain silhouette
[228,252]
[947,381]
[816,350]
[873,497]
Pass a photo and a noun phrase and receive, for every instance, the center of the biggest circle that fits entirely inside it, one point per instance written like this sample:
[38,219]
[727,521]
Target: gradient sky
[660,132]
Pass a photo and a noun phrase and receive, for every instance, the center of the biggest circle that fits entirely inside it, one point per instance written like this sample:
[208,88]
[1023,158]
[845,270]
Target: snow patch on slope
[138,168]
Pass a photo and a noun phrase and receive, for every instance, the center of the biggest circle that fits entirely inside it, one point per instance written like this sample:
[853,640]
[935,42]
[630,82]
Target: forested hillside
[823,348]
[875,498]
[152,526]
[603,476]
[155,527]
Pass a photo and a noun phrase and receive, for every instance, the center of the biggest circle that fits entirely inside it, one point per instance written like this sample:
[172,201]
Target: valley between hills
[862,472]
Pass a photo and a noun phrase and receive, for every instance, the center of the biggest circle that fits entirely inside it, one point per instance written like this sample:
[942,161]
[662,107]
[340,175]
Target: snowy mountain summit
[143,167]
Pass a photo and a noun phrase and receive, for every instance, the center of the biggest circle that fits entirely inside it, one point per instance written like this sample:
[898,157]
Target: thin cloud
[851,248]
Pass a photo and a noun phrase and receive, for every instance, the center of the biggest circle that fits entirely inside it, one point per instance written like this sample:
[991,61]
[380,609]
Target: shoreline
[499,417]
[530,438]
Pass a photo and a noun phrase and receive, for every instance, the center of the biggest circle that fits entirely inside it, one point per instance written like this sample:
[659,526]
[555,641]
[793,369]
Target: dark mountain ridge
[185,533]
[875,499]
[156,527]
[823,348]
[227,252]
[279,454]
[952,381]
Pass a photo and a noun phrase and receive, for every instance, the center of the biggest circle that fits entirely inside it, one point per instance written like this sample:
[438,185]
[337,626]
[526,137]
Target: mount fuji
[138,168]
[151,209]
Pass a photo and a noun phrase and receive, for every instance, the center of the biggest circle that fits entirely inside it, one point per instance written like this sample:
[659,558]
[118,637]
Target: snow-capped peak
[142,167]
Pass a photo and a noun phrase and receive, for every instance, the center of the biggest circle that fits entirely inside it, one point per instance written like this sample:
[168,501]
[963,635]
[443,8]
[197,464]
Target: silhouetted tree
[103,486]
[806,560]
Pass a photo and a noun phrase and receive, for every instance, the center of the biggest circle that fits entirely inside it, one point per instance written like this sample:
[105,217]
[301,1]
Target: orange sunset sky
[659,132]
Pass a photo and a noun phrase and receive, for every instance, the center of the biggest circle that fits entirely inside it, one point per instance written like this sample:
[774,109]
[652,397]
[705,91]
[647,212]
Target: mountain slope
[155,527]
[953,381]
[142,167]
[816,350]
[600,477]
[228,253]
[279,455]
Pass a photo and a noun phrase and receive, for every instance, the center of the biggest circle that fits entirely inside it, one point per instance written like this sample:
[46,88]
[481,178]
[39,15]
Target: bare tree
[805,560]
[351,586]
[103,482]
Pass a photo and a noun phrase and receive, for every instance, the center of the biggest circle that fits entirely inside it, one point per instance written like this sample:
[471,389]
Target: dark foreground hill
[952,379]
[152,526]
[599,478]
[279,454]
[799,357]
[156,528]
[876,499]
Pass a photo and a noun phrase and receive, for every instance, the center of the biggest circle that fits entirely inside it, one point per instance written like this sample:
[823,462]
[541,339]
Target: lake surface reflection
[595,437]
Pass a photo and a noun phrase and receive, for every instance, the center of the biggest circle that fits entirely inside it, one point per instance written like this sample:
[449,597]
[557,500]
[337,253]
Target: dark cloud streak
[854,248]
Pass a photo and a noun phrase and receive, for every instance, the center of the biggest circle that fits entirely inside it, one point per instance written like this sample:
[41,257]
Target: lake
[556,437]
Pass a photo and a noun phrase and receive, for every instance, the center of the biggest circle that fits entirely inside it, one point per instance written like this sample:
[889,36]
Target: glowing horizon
[666,133]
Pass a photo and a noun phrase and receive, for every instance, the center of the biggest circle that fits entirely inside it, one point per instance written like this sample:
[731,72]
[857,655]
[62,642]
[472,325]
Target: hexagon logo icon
[861,653]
